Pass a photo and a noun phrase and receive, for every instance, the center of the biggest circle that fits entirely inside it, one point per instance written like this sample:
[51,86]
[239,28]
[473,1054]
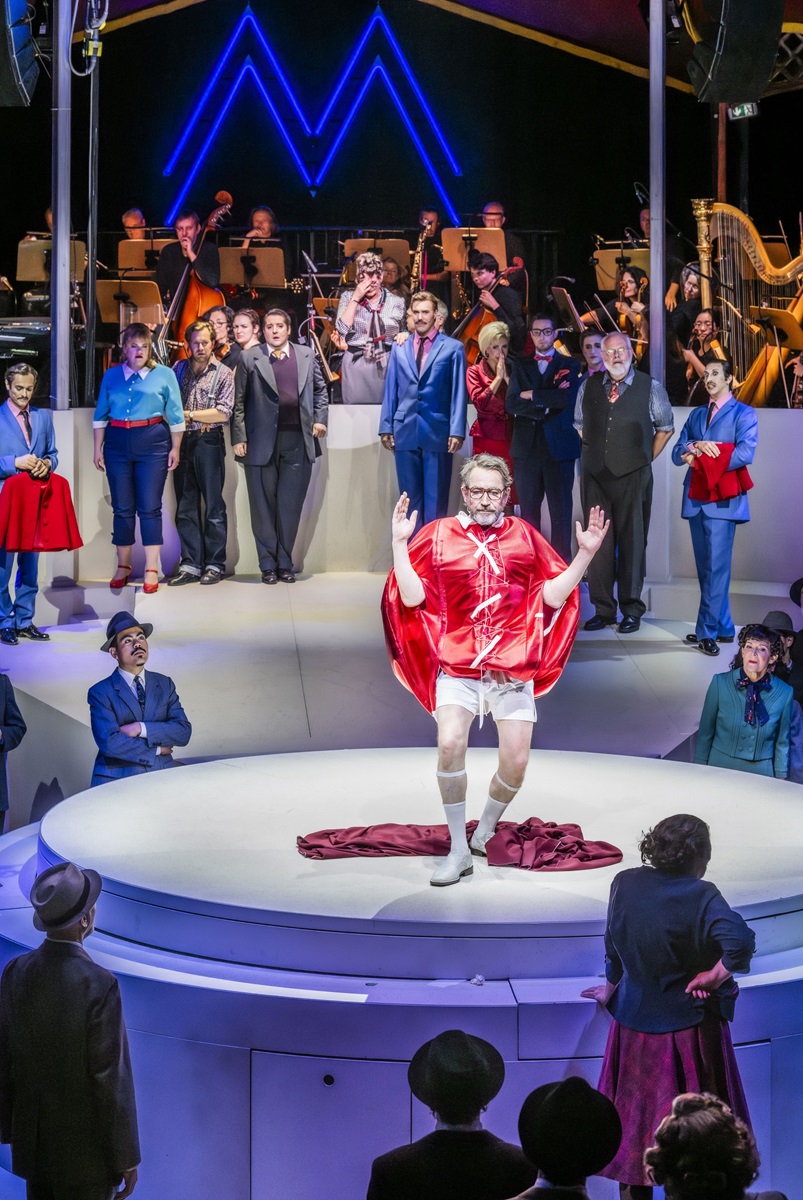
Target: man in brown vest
[624,419]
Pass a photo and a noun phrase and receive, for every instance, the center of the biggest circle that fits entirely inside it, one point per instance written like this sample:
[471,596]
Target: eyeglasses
[477,493]
[619,352]
[542,332]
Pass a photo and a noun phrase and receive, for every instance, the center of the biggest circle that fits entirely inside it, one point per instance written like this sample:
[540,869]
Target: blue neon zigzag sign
[312,172]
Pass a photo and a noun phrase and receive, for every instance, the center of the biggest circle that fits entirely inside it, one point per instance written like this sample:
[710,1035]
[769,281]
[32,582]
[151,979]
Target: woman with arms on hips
[138,427]
[368,318]
[703,1152]
[672,944]
[747,711]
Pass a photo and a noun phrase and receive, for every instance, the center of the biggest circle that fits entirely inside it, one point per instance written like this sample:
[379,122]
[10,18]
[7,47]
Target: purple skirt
[643,1072]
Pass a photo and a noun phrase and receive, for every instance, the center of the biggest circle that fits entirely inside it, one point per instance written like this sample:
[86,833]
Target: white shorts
[513,701]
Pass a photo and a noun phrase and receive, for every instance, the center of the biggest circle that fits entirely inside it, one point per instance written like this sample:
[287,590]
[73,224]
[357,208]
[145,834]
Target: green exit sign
[737,111]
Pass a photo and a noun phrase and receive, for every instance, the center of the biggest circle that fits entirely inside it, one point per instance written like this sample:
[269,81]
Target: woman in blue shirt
[672,944]
[746,717]
[138,427]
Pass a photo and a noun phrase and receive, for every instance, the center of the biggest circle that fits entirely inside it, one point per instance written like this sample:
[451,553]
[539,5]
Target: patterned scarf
[375,349]
[754,709]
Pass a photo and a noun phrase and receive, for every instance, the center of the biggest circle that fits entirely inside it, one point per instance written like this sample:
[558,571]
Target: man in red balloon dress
[480,616]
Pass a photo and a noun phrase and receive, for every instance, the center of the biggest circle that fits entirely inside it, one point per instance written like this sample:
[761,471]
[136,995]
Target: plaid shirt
[195,391]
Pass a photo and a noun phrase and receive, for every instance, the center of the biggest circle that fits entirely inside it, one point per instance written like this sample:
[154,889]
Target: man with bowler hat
[66,1091]
[136,715]
[568,1131]
[456,1075]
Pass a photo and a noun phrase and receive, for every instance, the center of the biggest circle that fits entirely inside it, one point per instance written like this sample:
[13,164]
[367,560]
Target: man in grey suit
[66,1090]
[280,411]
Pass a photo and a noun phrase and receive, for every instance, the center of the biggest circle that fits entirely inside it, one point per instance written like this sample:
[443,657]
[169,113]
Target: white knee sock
[456,820]
[490,815]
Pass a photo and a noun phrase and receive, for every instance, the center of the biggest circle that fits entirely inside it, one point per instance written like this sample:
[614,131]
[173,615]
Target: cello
[191,297]
[468,331]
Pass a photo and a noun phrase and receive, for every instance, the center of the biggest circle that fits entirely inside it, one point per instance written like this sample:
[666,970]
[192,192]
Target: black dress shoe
[210,575]
[36,635]
[181,578]
[270,577]
[8,637]
[629,624]
[708,646]
[595,623]
[286,575]
[691,638]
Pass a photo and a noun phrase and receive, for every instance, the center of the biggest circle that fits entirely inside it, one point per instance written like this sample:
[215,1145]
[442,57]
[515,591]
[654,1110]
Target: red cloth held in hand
[712,480]
[534,845]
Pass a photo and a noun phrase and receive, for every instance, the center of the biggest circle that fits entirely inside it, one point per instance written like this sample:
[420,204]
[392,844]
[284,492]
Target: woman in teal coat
[747,712]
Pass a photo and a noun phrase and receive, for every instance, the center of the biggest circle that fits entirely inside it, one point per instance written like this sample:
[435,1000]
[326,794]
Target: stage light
[247,22]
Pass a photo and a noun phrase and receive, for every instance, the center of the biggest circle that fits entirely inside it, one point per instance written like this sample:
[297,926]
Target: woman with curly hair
[672,945]
[703,1152]
[747,712]
[368,318]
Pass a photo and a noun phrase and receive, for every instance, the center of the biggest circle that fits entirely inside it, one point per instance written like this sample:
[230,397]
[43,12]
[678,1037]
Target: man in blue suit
[545,445]
[27,443]
[423,418]
[709,428]
[136,716]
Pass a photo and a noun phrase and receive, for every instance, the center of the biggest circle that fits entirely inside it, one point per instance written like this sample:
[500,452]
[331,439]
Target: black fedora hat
[568,1130]
[121,621]
[795,591]
[62,894]
[781,622]
[456,1068]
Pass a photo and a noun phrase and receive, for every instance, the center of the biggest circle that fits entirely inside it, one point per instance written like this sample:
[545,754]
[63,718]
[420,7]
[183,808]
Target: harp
[760,294]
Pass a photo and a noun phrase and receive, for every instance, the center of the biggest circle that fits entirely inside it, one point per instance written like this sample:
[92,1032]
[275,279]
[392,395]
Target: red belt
[135,424]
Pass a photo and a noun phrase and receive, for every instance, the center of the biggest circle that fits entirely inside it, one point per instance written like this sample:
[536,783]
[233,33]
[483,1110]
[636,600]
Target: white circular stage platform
[274,1002]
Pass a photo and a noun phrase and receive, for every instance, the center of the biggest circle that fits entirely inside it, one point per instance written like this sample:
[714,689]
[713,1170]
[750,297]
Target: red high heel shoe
[117,584]
[150,588]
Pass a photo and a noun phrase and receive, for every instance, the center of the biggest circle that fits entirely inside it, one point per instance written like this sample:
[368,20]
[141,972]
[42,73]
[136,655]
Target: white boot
[458,861]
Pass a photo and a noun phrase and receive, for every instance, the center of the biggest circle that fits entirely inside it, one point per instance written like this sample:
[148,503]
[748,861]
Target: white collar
[142,372]
[128,677]
[466,520]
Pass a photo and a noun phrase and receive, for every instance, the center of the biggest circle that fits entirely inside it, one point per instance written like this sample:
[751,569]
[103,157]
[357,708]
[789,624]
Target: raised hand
[403,526]
[591,539]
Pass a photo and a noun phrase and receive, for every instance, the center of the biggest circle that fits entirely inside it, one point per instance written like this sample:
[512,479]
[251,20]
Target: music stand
[267,260]
[143,302]
[31,261]
[131,254]
[385,247]
[607,262]
[458,244]
[782,323]
[569,315]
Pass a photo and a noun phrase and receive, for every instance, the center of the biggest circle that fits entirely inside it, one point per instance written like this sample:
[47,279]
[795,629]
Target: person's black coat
[452,1165]
[13,729]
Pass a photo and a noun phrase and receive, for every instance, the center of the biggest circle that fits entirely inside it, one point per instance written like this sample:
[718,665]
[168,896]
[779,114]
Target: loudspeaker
[734,61]
[19,69]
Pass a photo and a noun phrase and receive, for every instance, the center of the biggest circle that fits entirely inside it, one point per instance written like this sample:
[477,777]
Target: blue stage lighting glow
[378,20]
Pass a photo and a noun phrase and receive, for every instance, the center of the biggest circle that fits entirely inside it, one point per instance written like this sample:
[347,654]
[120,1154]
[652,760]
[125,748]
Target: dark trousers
[276,497]
[136,467]
[39,1189]
[622,557]
[539,475]
[712,541]
[426,476]
[199,478]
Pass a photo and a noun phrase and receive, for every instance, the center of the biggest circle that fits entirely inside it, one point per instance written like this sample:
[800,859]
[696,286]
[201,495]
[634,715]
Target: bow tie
[543,358]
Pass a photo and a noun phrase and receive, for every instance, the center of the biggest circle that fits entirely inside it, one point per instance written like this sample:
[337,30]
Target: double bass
[468,331]
[191,298]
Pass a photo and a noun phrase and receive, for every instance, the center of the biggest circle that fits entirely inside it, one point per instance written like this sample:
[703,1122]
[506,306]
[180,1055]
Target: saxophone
[415,271]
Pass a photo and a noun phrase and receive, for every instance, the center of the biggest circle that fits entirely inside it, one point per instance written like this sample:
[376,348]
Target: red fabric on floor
[534,845]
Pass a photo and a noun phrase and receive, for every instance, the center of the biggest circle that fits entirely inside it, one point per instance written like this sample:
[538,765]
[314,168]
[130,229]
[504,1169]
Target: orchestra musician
[630,310]
[175,256]
[682,318]
[368,318]
[434,276]
[497,296]
[134,224]
[264,227]
[227,349]
[704,347]
[394,278]
[494,217]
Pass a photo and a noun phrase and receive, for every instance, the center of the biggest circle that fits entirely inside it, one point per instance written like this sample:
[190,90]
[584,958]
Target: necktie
[613,395]
[26,419]
[276,357]
[420,355]
[140,690]
[710,416]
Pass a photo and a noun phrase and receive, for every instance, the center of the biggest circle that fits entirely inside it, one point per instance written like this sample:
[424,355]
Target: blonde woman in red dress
[487,384]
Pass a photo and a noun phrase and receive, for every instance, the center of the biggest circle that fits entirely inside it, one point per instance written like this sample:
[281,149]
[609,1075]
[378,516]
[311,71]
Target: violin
[468,330]
[192,298]
[632,324]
